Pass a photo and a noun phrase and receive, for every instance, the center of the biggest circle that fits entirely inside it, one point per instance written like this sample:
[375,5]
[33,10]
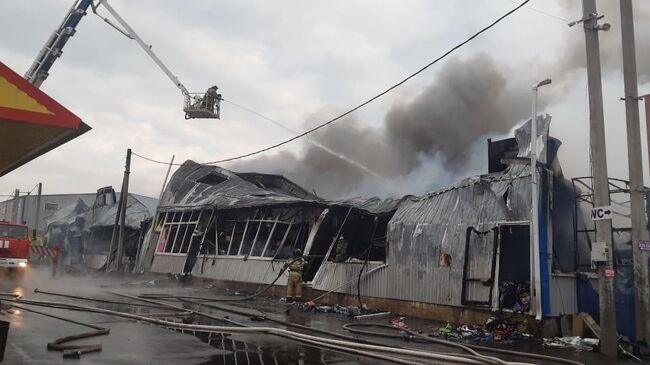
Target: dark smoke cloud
[422,144]
[469,99]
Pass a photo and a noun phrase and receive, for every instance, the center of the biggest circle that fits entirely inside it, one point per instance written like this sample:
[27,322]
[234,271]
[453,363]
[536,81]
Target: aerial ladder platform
[195,105]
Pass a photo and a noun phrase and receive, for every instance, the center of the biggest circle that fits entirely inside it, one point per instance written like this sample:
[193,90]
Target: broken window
[352,236]
[263,233]
[236,237]
[177,231]
[277,237]
[250,233]
[269,234]
[209,246]
[212,178]
[224,235]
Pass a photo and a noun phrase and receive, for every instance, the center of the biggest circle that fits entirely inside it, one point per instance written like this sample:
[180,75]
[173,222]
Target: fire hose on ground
[411,334]
[470,349]
[472,355]
[373,351]
[71,351]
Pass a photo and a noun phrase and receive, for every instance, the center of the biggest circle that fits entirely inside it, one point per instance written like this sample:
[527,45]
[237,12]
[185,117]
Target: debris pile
[572,342]
[499,330]
[515,296]
[349,311]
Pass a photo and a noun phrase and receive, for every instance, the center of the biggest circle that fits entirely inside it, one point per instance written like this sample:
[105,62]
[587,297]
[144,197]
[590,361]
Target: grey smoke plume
[421,145]
[574,55]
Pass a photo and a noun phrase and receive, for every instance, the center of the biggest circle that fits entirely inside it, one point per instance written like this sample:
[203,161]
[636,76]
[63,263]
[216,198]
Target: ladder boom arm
[39,70]
[145,47]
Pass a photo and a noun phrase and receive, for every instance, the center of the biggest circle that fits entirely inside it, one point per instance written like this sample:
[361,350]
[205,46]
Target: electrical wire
[557,17]
[363,104]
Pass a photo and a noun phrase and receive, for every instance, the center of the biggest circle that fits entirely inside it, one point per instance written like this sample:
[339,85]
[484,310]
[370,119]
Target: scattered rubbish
[350,311]
[448,328]
[573,342]
[503,331]
[398,322]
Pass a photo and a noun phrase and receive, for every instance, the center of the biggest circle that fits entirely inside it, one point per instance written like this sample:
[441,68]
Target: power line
[563,20]
[363,104]
[315,143]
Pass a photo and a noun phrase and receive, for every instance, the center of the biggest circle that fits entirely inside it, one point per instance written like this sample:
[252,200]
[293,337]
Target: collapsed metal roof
[194,185]
[136,212]
[205,186]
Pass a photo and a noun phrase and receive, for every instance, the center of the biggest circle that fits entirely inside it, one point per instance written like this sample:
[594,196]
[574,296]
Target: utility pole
[14,206]
[635,165]
[534,214]
[37,214]
[600,179]
[22,207]
[124,195]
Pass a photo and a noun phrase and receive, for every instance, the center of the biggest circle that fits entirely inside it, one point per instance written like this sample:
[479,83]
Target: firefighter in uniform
[211,100]
[294,283]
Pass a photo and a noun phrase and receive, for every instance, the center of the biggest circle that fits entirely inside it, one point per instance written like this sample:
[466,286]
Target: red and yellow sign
[31,122]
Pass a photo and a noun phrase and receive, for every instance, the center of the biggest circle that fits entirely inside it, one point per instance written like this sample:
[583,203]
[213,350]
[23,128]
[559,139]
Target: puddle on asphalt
[251,353]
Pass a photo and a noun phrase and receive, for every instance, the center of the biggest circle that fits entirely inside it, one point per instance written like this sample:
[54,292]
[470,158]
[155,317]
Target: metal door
[478,274]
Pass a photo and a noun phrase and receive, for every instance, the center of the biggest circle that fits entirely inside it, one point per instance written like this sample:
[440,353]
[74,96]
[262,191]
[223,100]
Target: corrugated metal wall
[224,268]
[424,228]
[564,297]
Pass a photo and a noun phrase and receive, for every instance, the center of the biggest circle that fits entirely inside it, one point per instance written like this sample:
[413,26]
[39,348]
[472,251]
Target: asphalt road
[130,342]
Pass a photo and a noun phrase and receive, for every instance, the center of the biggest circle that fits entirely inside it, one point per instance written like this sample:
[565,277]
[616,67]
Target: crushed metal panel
[333,276]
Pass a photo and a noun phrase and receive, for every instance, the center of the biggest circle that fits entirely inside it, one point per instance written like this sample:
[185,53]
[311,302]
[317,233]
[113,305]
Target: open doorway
[514,267]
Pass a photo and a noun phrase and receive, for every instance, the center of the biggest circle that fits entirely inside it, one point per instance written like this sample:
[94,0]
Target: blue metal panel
[624,292]
[624,289]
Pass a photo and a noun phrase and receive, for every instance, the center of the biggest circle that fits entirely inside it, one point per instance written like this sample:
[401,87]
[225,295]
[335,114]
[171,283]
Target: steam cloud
[422,144]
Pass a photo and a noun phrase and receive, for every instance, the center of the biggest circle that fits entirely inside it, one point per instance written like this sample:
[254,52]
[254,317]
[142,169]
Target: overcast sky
[290,60]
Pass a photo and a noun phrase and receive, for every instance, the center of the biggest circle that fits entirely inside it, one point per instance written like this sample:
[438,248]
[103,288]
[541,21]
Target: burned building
[96,225]
[464,247]
[242,227]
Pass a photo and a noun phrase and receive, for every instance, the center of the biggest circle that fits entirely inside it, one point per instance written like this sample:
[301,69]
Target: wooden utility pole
[635,165]
[600,179]
[124,195]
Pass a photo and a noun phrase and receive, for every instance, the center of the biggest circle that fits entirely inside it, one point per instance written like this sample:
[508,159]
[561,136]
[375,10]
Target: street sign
[609,272]
[644,245]
[601,213]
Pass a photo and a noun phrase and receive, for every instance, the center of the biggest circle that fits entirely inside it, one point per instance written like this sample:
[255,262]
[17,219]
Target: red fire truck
[14,249]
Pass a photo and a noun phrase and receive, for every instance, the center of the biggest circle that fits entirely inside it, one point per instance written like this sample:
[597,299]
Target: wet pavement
[130,342]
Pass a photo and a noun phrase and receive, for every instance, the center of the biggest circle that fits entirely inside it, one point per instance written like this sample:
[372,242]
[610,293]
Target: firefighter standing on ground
[294,283]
